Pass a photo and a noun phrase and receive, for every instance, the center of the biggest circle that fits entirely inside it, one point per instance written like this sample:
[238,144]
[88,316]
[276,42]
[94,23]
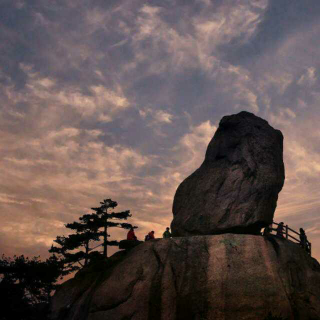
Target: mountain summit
[217,266]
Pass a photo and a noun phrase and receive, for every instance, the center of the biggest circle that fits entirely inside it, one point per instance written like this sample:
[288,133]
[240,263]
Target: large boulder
[228,276]
[236,187]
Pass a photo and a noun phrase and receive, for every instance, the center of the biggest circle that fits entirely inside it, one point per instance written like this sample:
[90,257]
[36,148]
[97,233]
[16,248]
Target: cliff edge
[228,276]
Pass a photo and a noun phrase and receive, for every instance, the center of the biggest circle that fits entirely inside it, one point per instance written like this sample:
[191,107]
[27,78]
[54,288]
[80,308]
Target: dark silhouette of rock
[129,244]
[228,276]
[236,187]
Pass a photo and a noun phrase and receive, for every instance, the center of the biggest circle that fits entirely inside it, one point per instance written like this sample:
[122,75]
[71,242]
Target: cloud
[162,116]
[194,144]
[120,99]
[157,116]
[309,78]
[271,32]
[99,100]
[61,170]
[171,48]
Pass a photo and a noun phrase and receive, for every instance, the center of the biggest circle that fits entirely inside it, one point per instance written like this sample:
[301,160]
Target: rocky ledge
[228,276]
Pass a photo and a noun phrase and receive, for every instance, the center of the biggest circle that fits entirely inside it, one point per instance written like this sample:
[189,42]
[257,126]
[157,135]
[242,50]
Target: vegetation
[26,286]
[91,227]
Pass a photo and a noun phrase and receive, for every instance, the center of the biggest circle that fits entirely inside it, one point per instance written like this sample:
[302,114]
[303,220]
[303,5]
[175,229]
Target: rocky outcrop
[228,276]
[236,188]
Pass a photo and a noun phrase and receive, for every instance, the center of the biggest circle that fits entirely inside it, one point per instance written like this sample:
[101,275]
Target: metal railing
[287,234]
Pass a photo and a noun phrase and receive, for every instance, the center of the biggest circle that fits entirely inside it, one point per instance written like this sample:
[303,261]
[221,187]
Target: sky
[120,98]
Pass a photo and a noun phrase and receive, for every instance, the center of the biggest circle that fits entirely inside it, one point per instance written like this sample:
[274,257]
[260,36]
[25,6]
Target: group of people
[150,236]
[280,233]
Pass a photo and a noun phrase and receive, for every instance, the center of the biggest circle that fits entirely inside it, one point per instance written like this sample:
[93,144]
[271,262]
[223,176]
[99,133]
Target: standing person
[167,233]
[303,239]
[280,229]
[131,235]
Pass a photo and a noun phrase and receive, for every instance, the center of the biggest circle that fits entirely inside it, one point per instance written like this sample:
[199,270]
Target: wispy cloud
[120,99]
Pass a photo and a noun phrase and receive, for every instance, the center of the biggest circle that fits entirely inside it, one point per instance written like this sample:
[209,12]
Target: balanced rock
[227,276]
[236,187]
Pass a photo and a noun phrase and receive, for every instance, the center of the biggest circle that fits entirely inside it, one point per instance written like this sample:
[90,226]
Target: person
[267,230]
[303,239]
[280,229]
[149,236]
[131,235]
[167,233]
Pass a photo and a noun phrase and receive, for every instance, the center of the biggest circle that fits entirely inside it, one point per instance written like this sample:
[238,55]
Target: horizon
[120,99]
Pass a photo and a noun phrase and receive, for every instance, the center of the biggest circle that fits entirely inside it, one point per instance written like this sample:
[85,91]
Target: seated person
[167,233]
[131,235]
[151,235]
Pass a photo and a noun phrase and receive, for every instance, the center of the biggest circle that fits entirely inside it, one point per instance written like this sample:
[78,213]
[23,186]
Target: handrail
[284,233]
[294,238]
[294,231]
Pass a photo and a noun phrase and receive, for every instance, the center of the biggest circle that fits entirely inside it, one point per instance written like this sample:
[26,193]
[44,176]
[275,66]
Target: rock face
[220,277]
[236,187]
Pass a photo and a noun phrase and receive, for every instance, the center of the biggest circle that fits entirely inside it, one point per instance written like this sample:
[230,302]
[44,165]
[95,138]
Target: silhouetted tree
[86,231]
[90,228]
[26,286]
[103,219]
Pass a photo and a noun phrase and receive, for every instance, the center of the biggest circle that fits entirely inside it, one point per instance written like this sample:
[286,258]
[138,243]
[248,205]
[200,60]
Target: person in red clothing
[131,235]
[151,235]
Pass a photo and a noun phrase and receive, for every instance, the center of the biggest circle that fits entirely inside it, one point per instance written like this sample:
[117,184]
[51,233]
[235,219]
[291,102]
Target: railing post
[286,231]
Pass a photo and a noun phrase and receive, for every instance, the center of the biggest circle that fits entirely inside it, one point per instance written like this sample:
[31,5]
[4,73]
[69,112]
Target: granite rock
[236,187]
[227,276]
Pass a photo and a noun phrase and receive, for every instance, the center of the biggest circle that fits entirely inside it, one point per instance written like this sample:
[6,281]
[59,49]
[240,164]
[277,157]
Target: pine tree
[90,228]
[103,218]
[86,231]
